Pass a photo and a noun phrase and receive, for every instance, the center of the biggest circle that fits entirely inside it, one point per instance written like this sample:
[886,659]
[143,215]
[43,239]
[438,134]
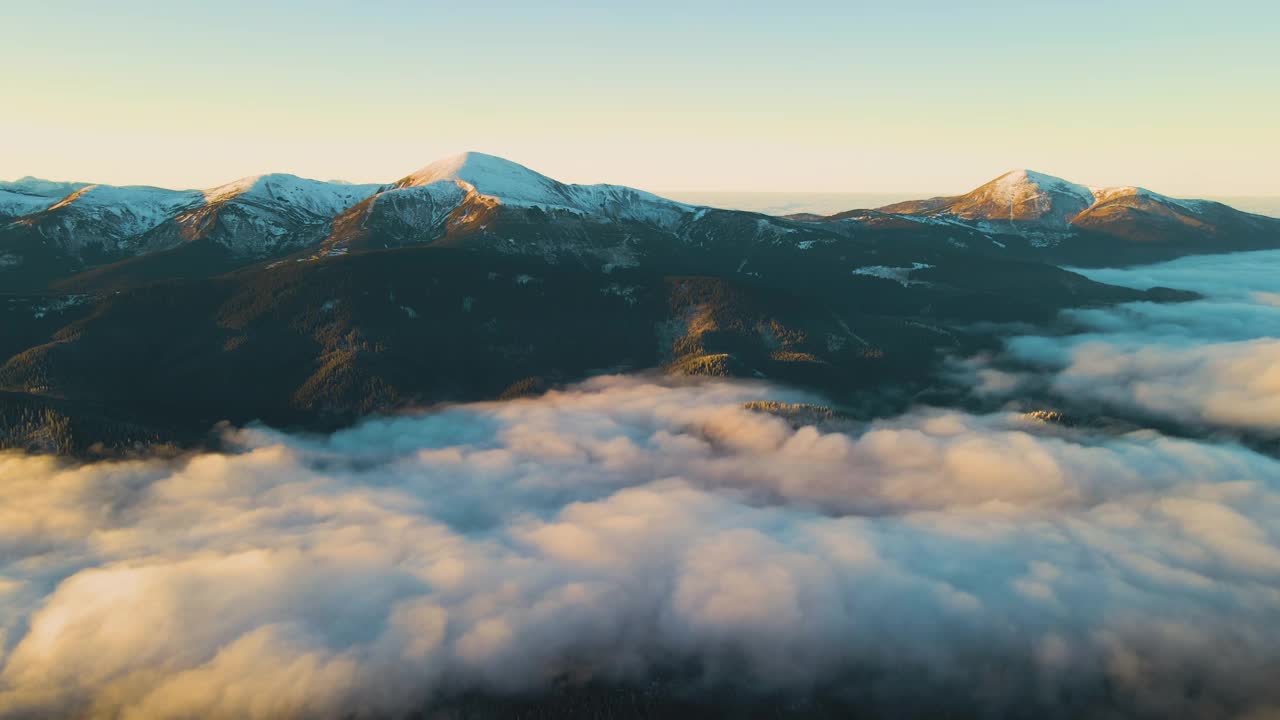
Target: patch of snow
[848,330]
[66,302]
[900,275]
[16,204]
[617,257]
[934,329]
[626,292]
[418,212]
[771,228]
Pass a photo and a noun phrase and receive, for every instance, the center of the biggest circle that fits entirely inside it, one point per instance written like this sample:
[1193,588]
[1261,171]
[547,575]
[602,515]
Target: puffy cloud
[1234,384]
[626,529]
[1212,363]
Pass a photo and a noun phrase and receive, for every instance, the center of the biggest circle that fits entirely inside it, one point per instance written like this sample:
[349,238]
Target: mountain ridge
[1030,214]
[1017,188]
[490,204]
[270,298]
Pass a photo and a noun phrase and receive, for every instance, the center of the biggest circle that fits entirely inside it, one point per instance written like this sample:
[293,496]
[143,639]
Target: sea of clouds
[1210,365]
[629,528]
[624,525]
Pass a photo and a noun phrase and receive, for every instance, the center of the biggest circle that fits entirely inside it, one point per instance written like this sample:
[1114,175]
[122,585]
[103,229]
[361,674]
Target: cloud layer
[619,529]
[1209,364]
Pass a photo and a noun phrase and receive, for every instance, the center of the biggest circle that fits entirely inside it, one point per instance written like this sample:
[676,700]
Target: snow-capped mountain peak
[117,212]
[1021,183]
[511,184]
[1102,194]
[104,220]
[492,176]
[1020,196]
[30,185]
[136,198]
[30,194]
[475,167]
[1047,211]
[316,196]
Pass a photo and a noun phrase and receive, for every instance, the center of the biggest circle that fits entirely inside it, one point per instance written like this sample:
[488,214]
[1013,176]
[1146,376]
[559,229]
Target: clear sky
[668,95]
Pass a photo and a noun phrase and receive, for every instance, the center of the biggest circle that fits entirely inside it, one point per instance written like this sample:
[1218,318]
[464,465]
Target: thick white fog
[1210,364]
[623,526]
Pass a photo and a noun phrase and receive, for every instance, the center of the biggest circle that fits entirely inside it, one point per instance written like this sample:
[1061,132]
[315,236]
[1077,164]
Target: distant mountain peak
[315,196]
[30,185]
[1022,183]
[1022,175]
[133,197]
[470,164]
[490,175]
[1016,196]
[513,184]
[252,184]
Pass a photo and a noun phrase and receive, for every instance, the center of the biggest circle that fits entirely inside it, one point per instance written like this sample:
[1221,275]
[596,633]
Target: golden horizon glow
[754,100]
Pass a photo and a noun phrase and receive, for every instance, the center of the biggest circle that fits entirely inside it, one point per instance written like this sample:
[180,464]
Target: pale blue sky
[830,96]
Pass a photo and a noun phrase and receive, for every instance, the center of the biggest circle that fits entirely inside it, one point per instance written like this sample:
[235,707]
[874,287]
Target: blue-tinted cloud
[1213,363]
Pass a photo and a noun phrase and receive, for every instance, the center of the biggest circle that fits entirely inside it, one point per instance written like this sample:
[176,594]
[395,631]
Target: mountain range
[77,235]
[139,314]
[1030,214]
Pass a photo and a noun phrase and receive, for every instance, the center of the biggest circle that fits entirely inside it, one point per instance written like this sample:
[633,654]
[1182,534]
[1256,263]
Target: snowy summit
[509,183]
